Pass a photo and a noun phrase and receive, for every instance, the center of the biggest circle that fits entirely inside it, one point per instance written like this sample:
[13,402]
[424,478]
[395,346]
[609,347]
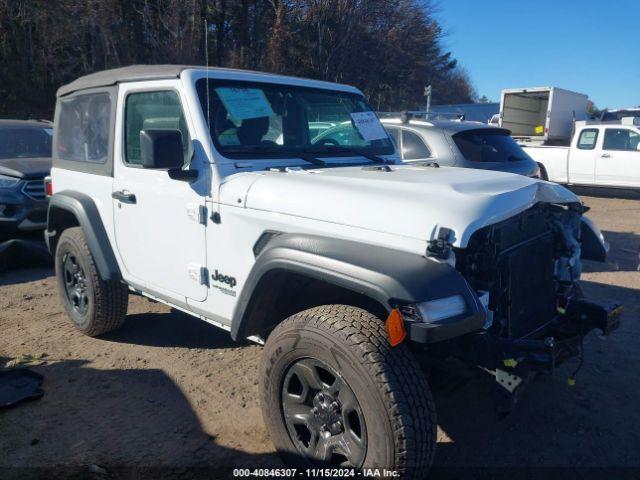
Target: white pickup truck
[603,154]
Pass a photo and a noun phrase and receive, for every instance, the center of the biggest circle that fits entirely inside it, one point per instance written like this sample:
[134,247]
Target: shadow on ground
[24,275]
[171,329]
[624,253]
[603,192]
[554,425]
[131,423]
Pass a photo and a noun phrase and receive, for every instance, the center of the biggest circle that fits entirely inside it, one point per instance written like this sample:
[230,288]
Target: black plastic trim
[592,247]
[83,208]
[387,276]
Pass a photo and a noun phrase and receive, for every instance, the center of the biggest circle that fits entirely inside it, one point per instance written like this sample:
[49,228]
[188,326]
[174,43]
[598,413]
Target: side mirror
[161,149]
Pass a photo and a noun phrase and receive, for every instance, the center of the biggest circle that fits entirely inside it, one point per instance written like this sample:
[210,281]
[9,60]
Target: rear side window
[588,138]
[489,146]
[83,128]
[153,110]
[621,139]
[413,148]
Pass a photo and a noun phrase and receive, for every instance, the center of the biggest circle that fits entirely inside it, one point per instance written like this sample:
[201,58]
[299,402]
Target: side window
[83,128]
[588,138]
[413,148]
[153,110]
[621,139]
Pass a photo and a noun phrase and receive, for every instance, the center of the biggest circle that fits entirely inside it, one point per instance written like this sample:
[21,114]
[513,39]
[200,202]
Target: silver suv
[458,143]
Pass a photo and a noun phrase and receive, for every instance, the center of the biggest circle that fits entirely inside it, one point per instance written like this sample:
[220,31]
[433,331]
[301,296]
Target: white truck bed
[554,159]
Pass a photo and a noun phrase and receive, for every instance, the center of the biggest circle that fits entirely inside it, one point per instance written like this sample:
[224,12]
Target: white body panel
[163,223]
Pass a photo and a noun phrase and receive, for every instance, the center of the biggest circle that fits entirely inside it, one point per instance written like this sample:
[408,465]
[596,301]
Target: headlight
[8,182]
[442,308]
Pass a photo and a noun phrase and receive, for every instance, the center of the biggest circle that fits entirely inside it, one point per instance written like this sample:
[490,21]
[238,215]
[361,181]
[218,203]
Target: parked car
[605,154]
[25,159]
[459,144]
[178,184]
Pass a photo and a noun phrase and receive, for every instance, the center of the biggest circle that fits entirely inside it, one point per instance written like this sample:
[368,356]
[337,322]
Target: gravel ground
[168,394]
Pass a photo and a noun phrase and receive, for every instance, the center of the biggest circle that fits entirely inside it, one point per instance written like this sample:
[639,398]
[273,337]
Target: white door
[582,157]
[159,233]
[618,162]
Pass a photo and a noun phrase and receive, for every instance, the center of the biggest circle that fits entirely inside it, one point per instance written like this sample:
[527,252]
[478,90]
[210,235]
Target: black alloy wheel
[75,282]
[322,414]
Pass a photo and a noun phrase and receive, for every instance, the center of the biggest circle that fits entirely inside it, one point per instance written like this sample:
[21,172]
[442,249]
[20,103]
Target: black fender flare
[388,276]
[594,247]
[84,210]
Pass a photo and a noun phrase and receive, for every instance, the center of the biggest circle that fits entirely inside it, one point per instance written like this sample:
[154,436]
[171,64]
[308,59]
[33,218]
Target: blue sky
[589,46]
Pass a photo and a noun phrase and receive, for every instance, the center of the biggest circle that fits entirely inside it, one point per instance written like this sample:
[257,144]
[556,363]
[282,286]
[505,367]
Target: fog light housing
[442,308]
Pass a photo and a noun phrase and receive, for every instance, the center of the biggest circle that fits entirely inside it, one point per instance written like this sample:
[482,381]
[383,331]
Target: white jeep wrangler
[216,192]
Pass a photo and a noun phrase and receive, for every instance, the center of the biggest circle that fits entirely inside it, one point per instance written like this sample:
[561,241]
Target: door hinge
[199,274]
[197,213]
[202,215]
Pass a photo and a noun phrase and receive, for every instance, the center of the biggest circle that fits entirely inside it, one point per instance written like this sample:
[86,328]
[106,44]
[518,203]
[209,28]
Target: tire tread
[399,378]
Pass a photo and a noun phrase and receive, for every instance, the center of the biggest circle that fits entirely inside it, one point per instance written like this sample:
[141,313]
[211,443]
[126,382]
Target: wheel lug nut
[335,405]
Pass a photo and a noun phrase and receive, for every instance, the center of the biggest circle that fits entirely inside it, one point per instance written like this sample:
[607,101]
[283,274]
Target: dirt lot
[168,394]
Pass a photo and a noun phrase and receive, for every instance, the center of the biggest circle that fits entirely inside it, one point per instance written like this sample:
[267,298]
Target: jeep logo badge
[219,277]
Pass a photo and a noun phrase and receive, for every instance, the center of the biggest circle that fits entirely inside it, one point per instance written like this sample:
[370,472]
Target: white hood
[411,201]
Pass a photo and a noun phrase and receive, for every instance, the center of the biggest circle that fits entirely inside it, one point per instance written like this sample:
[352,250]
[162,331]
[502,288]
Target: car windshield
[260,120]
[25,141]
[489,145]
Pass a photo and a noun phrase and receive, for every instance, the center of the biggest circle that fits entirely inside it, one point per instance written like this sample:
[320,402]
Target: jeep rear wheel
[335,393]
[95,306]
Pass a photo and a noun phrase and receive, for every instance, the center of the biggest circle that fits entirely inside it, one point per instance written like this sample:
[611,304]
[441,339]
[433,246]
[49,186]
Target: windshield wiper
[347,151]
[311,159]
[270,151]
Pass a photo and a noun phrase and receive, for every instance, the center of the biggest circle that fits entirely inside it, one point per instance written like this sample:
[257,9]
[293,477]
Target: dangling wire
[572,378]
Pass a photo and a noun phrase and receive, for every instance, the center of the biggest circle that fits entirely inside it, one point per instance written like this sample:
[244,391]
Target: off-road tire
[398,408]
[107,300]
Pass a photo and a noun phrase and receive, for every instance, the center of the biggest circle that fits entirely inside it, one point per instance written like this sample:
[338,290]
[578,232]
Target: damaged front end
[527,268]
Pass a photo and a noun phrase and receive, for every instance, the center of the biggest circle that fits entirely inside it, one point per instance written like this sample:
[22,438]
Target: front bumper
[20,212]
[550,346]
[514,361]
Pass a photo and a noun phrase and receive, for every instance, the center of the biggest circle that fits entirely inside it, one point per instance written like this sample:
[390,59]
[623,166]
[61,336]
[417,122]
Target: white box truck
[542,114]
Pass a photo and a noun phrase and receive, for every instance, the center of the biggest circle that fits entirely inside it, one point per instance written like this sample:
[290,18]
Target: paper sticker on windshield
[245,103]
[369,126]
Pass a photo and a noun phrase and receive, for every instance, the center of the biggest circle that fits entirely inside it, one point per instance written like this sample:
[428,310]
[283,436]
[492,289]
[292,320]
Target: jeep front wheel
[95,306]
[335,393]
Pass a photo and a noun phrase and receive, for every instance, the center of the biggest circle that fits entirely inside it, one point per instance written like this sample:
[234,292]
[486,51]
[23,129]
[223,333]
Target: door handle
[606,155]
[124,196]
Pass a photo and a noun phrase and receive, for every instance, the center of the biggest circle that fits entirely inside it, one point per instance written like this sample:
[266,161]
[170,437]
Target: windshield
[25,142]
[489,146]
[260,120]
